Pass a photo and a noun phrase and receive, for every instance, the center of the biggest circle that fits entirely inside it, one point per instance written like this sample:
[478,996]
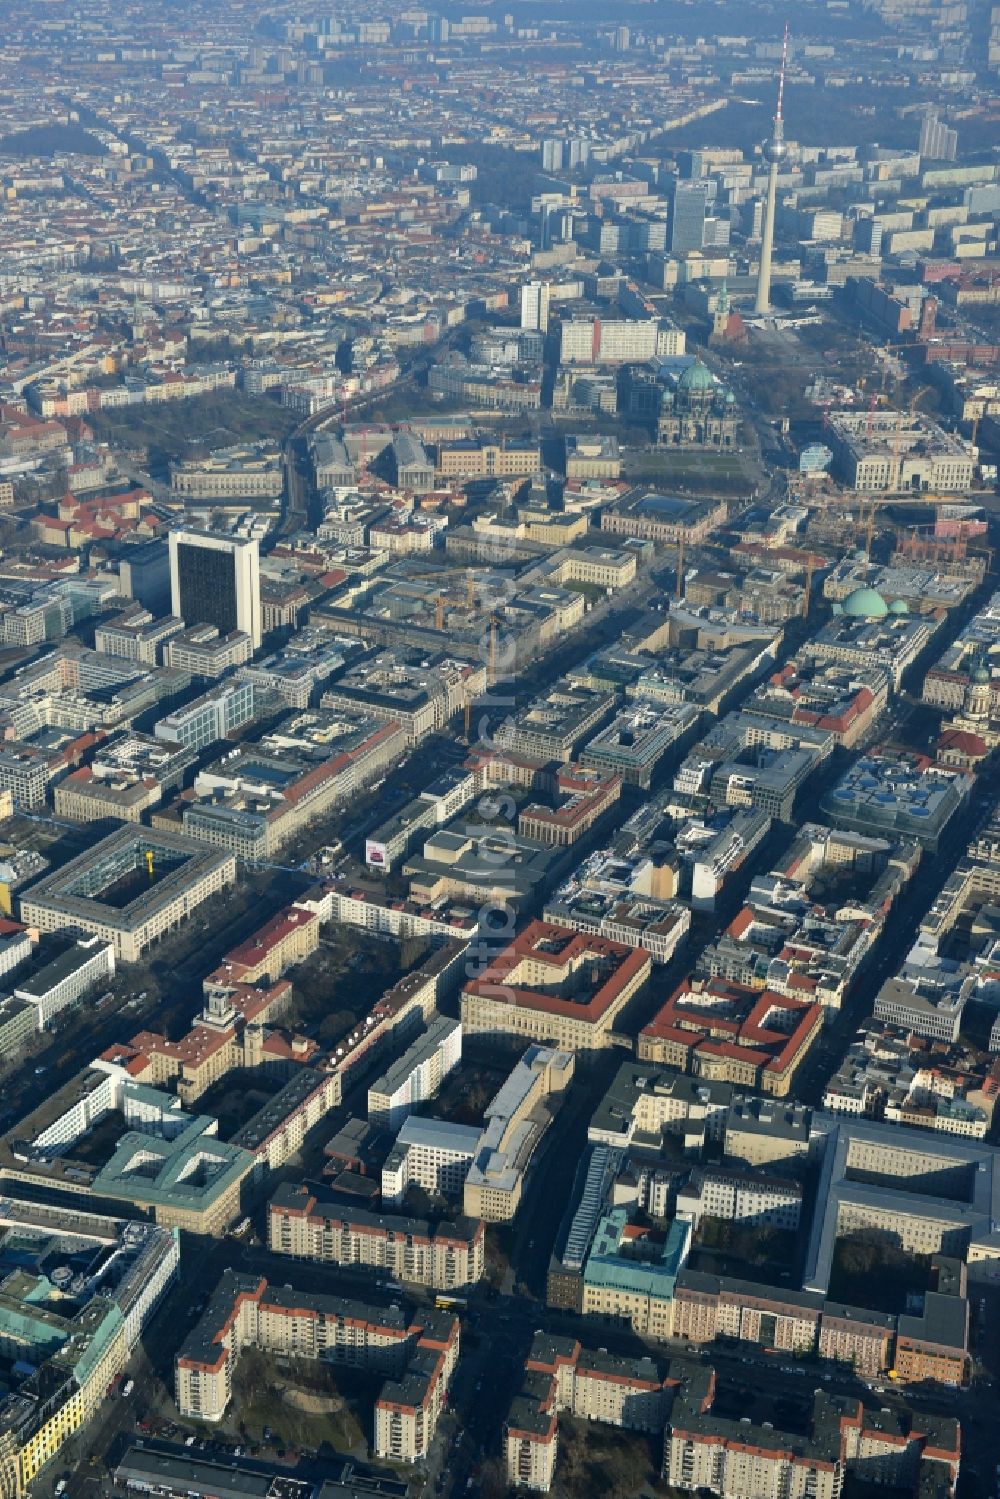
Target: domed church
[865,603]
[698,412]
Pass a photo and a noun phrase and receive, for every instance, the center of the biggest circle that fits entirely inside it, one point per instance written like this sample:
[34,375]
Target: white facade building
[433,1155]
[418,1074]
[535,306]
[63,981]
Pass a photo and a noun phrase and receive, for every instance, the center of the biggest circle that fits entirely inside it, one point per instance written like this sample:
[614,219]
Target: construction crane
[679,586]
[149,862]
[868,504]
[439,612]
[903,497]
[871,416]
[897,459]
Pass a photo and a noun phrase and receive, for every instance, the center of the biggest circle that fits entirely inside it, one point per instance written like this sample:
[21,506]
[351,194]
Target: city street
[371,380]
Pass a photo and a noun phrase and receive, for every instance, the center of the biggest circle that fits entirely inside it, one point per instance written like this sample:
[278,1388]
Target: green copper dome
[696,377]
[899,606]
[865,603]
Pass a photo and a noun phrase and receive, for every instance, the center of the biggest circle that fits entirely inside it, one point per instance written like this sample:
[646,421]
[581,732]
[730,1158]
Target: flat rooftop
[112,883]
[978,1216]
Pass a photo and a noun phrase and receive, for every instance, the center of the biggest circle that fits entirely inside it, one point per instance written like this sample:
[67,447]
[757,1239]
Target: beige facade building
[890,451]
[934,1194]
[647,1314]
[251,471]
[766,1132]
[582,795]
[445,1258]
[179,875]
[861,1339]
[708,1307]
[554,528]
[602,567]
[418,696]
[85,798]
[664,519]
[204,652]
[728,1032]
[592,457]
[289,937]
[488,460]
[515,1123]
[136,635]
[557,986]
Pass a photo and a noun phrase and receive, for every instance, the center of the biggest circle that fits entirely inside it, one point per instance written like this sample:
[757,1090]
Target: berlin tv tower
[775,152]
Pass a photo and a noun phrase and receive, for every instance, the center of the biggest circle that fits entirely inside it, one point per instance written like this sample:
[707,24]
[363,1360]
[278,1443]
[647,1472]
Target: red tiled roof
[568,947]
[963,741]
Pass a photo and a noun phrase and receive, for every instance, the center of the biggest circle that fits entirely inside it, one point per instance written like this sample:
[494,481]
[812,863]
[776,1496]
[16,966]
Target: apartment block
[429,1153]
[417,1075]
[560,1375]
[733,1458]
[445,1258]
[66,979]
[417,1357]
[740,1196]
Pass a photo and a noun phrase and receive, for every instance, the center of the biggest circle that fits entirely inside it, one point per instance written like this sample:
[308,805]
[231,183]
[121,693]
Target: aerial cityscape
[500,750]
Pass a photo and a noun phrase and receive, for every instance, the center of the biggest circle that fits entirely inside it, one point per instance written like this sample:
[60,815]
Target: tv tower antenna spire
[775,152]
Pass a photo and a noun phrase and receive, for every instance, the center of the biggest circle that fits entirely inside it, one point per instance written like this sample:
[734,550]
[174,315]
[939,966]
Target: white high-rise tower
[535,306]
[775,152]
